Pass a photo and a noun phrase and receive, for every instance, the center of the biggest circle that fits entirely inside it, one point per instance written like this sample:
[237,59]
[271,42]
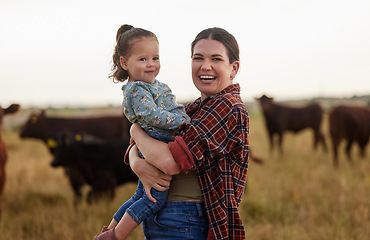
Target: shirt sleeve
[181,154]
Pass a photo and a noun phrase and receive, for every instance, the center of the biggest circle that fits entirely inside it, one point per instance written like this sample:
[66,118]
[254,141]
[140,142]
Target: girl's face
[143,62]
[211,68]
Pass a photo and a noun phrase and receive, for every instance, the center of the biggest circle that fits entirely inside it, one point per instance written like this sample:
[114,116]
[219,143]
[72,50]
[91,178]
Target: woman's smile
[207,78]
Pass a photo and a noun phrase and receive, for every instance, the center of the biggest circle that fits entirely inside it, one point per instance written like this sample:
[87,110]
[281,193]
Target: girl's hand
[149,175]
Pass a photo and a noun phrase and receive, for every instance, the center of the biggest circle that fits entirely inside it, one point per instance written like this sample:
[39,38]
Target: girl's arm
[155,152]
[149,175]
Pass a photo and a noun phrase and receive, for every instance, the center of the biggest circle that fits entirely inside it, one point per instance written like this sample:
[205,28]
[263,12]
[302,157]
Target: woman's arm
[155,152]
[150,176]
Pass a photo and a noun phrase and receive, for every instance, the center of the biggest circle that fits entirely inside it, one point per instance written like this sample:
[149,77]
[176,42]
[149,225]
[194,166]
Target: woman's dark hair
[125,38]
[224,37]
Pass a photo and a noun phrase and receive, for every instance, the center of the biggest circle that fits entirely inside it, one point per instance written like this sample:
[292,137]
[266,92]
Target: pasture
[297,195]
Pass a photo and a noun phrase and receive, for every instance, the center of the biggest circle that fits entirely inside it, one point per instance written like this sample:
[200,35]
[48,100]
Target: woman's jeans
[177,220]
[139,207]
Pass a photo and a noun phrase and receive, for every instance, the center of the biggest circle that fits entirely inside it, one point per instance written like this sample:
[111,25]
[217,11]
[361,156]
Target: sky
[58,53]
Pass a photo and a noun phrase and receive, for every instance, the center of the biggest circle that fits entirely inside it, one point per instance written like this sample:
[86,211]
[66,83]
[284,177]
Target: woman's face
[211,68]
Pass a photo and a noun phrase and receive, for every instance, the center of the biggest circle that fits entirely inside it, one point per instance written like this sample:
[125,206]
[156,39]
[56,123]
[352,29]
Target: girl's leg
[113,231]
[144,208]
[119,232]
[125,227]
[109,232]
[138,212]
[112,224]
[138,194]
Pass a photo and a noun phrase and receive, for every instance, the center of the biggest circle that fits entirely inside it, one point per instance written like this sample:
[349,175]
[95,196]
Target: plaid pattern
[217,138]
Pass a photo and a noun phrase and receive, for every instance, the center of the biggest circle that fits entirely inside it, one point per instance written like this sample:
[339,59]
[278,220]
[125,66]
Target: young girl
[152,105]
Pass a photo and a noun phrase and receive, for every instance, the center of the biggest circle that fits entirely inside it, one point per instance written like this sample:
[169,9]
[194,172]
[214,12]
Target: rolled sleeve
[181,154]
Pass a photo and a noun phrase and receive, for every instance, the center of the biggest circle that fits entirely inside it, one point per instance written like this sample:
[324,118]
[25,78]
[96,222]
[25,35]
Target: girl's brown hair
[224,37]
[125,38]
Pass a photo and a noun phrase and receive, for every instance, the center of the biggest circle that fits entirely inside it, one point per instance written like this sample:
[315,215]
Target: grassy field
[297,195]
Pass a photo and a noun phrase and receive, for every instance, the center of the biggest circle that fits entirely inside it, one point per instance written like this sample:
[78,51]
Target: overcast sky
[58,53]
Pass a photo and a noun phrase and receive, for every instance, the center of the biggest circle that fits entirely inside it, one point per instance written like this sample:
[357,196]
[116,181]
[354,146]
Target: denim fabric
[177,220]
[139,207]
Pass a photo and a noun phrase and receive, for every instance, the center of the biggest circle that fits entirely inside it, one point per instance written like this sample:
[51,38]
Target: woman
[211,151]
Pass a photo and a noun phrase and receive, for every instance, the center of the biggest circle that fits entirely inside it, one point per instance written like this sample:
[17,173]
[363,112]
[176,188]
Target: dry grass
[295,196]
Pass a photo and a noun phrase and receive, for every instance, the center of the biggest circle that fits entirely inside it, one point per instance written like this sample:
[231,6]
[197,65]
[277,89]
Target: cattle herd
[350,123]
[91,149]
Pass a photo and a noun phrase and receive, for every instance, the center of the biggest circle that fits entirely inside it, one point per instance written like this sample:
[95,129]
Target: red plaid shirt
[215,144]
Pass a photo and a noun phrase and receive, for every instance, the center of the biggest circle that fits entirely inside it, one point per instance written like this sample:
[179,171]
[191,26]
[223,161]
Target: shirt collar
[232,89]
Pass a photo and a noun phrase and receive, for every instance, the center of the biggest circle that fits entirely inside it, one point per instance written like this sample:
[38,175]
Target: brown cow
[350,123]
[280,118]
[105,127]
[46,128]
[3,151]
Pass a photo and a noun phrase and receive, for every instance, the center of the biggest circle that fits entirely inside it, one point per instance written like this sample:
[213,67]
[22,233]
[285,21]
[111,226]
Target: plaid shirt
[216,145]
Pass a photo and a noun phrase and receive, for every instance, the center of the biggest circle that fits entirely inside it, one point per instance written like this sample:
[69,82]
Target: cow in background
[280,118]
[3,150]
[350,123]
[40,126]
[45,128]
[99,163]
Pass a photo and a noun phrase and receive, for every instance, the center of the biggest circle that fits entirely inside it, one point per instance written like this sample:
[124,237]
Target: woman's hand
[149,175]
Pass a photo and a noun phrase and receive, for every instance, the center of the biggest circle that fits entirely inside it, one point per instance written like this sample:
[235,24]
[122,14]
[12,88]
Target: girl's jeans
[139,207]
[177,220]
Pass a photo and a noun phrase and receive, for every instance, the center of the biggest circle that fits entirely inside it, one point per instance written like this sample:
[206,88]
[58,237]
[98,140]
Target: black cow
[350,123]
[99,163]
[280,118]
[40,126]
